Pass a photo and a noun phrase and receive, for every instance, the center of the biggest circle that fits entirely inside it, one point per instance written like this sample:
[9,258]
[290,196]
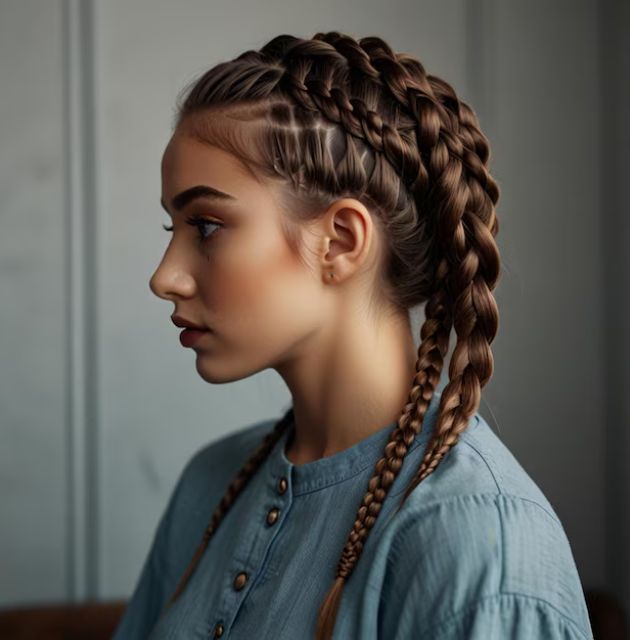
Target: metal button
[240,580]
[282,485]
[218,630]
[272,515]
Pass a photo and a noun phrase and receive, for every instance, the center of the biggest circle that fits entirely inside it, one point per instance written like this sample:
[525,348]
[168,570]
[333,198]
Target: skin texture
[348,369]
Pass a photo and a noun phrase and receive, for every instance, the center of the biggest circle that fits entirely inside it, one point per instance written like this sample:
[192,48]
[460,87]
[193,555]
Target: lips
[189,337]
[183,323]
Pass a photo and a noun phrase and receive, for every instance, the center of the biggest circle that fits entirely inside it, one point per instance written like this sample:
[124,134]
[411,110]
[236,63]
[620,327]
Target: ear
[348,239]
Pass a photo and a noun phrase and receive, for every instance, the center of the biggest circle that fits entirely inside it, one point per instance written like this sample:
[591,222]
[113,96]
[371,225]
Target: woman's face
[228,267]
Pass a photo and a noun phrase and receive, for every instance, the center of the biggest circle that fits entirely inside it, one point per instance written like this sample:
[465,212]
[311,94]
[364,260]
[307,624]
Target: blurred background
[100,406]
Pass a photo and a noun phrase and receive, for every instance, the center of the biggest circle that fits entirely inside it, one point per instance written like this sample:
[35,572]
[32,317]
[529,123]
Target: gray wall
[615,221]
[100,407]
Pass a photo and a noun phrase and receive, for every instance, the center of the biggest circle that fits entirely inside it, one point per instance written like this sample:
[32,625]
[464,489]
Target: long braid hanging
[442,167]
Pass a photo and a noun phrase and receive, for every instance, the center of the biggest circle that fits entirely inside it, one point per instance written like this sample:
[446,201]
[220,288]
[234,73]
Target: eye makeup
[200,223]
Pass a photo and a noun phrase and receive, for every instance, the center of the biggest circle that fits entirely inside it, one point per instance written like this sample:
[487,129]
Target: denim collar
[343,465]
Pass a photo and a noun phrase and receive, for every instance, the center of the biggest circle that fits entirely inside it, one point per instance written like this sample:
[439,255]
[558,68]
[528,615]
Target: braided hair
[332,116]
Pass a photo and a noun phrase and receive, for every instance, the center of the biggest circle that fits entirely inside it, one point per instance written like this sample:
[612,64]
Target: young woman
[319,189]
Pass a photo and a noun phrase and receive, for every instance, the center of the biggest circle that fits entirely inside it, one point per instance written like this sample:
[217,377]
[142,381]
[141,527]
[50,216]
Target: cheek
[260,292]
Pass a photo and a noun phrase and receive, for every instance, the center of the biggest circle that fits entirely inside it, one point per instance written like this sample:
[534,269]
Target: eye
[201,224]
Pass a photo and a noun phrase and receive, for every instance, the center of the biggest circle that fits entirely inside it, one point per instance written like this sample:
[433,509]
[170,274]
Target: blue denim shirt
[476,552]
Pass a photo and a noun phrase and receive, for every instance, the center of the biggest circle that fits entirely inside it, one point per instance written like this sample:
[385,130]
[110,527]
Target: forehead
[187,160]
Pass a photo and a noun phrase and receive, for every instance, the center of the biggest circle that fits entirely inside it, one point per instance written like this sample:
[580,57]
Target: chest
[270,564]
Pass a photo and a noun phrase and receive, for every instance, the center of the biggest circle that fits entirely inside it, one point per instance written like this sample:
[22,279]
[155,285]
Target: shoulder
[480,463]
[481,533]
[210,469]
[201,484]
[216,463]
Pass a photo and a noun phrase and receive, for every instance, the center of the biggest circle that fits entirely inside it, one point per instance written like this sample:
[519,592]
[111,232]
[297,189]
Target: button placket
[274,513]
[242,578]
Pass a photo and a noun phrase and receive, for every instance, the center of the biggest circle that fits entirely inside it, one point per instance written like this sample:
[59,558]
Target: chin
[216,372]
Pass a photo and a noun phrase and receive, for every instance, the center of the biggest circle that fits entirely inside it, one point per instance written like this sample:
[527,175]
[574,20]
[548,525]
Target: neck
[347,382]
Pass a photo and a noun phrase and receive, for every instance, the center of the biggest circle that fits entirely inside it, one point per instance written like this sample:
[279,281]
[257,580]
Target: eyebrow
[182,199]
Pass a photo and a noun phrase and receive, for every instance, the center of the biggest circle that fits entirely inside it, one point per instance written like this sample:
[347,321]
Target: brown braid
[332,116]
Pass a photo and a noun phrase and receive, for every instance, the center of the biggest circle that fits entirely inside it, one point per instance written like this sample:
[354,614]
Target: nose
[171,281]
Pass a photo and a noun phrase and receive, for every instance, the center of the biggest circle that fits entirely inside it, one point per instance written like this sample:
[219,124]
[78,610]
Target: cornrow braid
[333,116]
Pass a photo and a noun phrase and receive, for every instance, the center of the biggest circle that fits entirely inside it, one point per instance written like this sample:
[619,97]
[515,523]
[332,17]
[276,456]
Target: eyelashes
[200,223]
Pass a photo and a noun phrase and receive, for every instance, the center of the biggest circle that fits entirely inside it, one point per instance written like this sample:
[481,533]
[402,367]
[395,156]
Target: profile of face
[228,266]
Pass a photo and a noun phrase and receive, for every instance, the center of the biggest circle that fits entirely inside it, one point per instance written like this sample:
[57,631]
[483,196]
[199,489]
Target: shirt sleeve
[149,594]
[495,618]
